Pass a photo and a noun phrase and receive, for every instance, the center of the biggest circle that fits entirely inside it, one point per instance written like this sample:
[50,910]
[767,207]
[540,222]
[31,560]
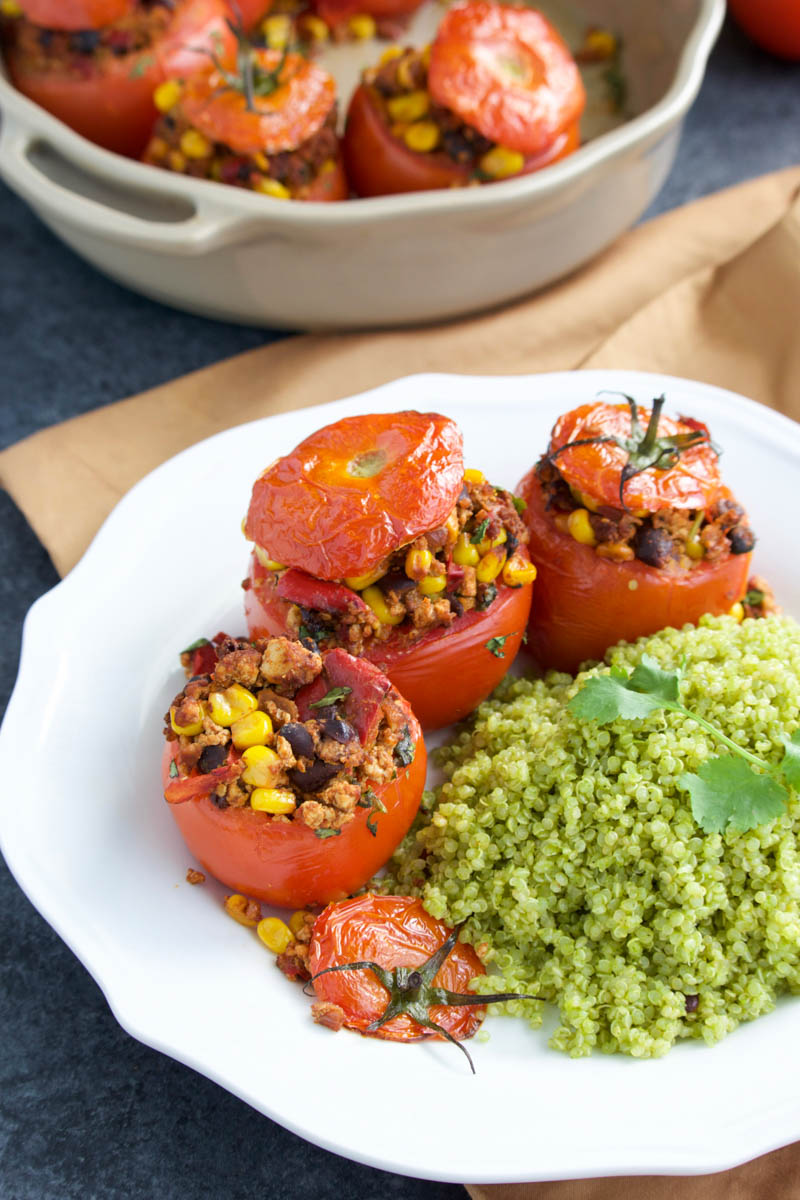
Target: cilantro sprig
[726,793]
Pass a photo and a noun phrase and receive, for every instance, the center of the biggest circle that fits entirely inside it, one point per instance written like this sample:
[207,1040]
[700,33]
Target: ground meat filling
[243,716]
[294,169]
[399,85]
[85,49]
[670,540]
[429,583]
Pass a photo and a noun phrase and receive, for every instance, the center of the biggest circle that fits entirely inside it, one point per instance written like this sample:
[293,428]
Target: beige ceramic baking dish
[393,260]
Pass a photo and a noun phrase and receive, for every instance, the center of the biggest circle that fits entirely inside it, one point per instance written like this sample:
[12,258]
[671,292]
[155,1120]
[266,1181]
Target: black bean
[456,605]
[653,546]
[85,41]
[691,1003]
[741,539]
[339,730]
[396,583]
[220,801]
[299,739]
[315,778]
[211,758]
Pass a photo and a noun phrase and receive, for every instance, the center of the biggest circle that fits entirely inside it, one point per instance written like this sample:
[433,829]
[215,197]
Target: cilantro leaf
[519,504]
[487,597]
[649,679]
[173,769]
[790,763]
[480,532]
[606,697]
[727,794]
[326,833]
[495,645]
[196,645]
[332,697]
[405,749]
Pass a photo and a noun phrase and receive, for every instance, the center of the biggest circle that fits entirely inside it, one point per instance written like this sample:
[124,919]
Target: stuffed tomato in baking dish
[371,536]
[291,775]
[262,119]
[96,63]
[632,530]
[496,95]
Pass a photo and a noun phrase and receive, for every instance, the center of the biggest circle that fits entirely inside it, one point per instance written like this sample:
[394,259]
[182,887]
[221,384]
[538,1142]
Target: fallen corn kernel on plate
[107,867]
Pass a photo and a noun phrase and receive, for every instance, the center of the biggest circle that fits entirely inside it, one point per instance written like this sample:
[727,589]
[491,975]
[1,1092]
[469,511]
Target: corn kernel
[422,137]
[359,582]
[561,522]
[471,475]
[329,165]
[10,8]
[488,543]
[315,28]
[277,30]
[431,585]
[269,564]
[194,145]
[271,187]
[426,54]
[579,527]
[518,571]
[694,548]
[272,800]
[185,730]
[499,162]
[737,612]
[453,528]
[375,599]
[362,26]
[599,45]
[464,553]
[254,729]
[262,767]
[177,161]
[297,921]
[246,912]
[616,551]
[408,107]
[275,935]
[490,565]
[228,706]
[167,95]
[405,75]
[261,161]
[418,563]
[390,54]
[158,148]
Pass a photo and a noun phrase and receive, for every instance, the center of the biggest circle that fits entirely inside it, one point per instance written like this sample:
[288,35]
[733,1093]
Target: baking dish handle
[206,225]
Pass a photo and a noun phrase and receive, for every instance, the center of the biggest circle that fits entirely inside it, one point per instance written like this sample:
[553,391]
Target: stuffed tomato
[496,95]
[370,535]
[265,121]
[291,775]
[96,63]
[632,530]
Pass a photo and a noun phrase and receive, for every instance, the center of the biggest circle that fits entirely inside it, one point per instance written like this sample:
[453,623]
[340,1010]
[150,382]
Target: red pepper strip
[362,704]
[204,659]
[195,786]
[300,588]
[455,575]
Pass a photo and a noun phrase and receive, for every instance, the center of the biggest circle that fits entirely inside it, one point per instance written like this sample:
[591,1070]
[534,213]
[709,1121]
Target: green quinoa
[571,851]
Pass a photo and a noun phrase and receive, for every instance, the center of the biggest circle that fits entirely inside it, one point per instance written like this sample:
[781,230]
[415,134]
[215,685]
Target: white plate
[105,865]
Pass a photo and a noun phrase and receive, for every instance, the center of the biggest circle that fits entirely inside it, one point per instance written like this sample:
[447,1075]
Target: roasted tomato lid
[592,447]
[357,490]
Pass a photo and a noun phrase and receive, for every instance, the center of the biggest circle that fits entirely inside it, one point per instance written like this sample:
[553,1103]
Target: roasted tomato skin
[355,490]
[379,164]
[75,15]
[508,73]
[393,931]
[251,11]
[582,603]
[772,24]
[113,105]
[694,482]
[284,862]
[423,672]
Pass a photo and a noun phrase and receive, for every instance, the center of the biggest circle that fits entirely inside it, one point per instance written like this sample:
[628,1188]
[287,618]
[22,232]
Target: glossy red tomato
[773,24]
[251,11]
[595,469]
[288,115]
[506,72]
[380,164]
[111,102]
[354,491]
[583,603]
[285,862]
[392,931]
[72,15]
[447,672]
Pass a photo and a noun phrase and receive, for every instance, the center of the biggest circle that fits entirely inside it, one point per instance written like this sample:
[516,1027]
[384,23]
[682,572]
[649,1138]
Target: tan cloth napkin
[710,291]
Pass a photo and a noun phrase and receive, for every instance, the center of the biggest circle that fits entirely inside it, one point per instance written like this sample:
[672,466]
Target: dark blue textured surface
[85,1111]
